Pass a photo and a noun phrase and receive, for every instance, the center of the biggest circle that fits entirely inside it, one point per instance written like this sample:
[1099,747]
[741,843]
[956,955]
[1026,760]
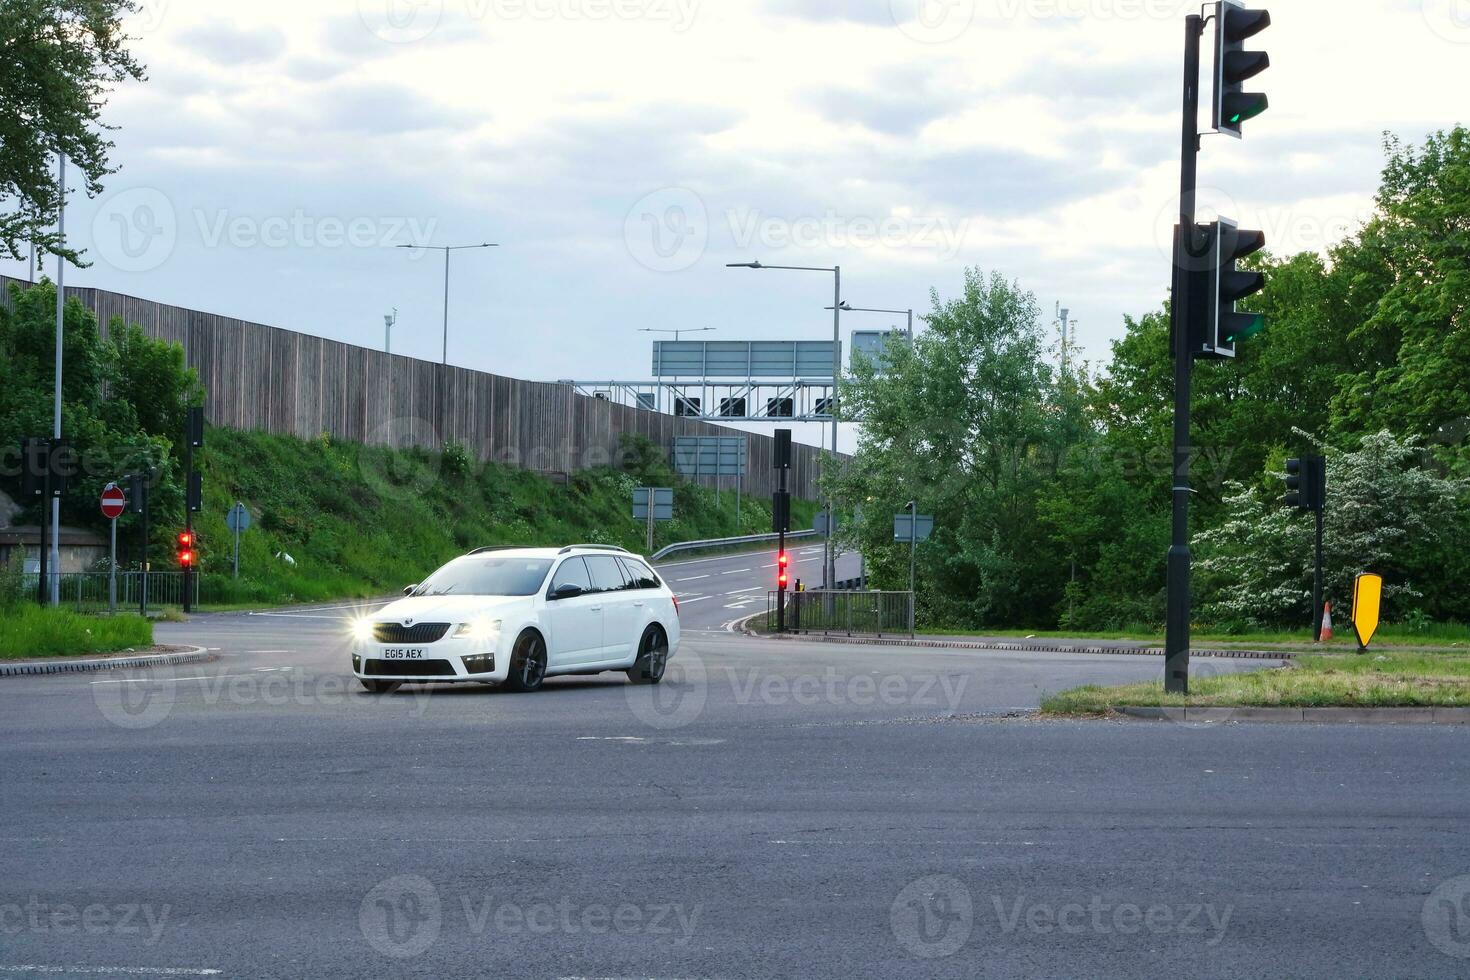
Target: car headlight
[362,630]
[480,630]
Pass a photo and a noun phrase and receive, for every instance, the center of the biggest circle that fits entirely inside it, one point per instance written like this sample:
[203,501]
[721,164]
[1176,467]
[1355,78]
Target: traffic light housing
[186,551]
[783,570]
[1306,483]
[1226,284]
[1234,66]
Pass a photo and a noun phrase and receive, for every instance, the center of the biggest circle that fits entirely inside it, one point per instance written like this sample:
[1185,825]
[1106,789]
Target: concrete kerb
[70,665]
[1309,716]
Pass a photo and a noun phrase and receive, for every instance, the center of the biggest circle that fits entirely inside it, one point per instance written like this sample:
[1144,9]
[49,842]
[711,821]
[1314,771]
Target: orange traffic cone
[1326,623]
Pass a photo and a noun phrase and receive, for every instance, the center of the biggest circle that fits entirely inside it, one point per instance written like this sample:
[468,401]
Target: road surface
[782,809]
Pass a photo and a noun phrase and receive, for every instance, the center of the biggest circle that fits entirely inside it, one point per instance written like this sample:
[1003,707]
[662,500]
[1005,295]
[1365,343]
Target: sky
[620,152]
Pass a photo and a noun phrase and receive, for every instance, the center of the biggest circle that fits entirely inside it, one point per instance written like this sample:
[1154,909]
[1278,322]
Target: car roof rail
[593,547]
[498,547]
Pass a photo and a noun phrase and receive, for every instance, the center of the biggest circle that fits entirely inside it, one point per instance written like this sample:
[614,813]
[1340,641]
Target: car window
[573,571]
[641,574]
[607,574]
[475,575]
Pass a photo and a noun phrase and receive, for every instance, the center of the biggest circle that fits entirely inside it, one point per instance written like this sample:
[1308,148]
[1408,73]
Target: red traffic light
[782,560]
[186,549]
[186,559]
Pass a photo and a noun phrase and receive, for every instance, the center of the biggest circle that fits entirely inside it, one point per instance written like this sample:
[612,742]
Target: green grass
[366,521]
[1437,635]
[1385,679]
[32,631]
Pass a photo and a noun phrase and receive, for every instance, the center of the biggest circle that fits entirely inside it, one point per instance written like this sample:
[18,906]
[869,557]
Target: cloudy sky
[622,151]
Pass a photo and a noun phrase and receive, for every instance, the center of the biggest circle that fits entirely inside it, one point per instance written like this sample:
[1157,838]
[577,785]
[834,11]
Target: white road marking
[295,616]
[270,651]
[739,605]
[698,598]
[131,971]
[691,578]
[737,571]
[758,588]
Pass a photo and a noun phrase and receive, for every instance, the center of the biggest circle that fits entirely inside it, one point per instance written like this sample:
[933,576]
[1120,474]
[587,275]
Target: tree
[964,423]
[61,60]
[1388,510]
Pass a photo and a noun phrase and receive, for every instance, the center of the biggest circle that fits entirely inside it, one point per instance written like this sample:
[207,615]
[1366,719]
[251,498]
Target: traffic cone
[1326,623]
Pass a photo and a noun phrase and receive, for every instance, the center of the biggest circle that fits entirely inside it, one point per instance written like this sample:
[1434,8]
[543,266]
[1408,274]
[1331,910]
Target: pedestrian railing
[844,613]
[748,539]
[93,592]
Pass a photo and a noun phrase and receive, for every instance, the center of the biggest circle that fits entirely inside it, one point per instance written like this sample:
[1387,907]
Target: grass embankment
[1375,680]
[363,521]
[31,631]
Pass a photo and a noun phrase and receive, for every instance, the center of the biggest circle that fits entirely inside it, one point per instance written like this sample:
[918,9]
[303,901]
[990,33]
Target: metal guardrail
[684,546]
[847,613]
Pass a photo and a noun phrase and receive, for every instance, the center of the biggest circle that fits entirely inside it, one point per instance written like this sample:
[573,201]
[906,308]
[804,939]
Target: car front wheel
[527,663]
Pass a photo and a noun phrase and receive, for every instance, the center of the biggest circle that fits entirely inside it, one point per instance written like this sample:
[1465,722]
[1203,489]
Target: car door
[620,609]
[576,623]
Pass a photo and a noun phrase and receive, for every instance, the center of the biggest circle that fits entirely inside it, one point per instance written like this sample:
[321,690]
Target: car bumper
[445,661]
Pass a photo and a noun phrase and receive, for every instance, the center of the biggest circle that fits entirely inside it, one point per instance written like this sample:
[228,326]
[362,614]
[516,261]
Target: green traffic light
[1257,324]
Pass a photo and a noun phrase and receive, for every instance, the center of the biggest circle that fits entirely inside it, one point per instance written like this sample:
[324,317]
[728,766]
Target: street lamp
[678,332]
[831,572]
[864,309]
[446,249]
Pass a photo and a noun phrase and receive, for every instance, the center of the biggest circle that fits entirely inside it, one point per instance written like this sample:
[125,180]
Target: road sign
[114,502]
[921,532]
[663,504]
[238,519]
[711,455]
[742,358]
[819,524]
[1367,605]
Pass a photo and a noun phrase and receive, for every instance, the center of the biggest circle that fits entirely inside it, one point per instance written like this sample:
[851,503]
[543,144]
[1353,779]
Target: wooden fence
[272,380]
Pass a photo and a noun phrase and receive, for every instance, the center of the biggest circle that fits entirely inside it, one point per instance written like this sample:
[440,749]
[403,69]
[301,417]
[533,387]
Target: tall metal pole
[1176,640]
[56,407]
[1317,599]
[831,571]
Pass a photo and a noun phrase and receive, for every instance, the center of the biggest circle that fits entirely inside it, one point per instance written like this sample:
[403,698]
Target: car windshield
[474,575]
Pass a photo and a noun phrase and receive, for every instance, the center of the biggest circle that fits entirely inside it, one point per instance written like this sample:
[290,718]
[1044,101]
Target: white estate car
[516,616]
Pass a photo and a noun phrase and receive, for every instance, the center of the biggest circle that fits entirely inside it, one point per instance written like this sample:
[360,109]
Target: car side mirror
[568,591]
[408,589]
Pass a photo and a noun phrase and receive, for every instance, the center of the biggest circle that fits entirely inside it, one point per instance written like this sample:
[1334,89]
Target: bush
[33,631]
[12,581]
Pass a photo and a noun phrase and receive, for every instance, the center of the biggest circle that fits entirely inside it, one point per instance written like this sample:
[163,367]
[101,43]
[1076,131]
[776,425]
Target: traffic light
[1228,285]
[1234,65]
[783,570]
[186,550]
[1306,483]
[195,497]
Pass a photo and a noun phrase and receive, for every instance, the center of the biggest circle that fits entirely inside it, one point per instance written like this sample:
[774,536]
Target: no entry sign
[114,502]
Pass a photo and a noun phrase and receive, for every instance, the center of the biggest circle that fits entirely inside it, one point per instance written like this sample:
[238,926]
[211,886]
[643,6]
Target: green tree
[62,59]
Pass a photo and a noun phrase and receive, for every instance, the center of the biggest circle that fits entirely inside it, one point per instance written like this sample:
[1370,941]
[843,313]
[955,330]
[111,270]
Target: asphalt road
[792,810]
[714,592]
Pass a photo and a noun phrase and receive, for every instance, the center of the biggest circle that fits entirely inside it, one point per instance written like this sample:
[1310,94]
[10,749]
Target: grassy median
[1384,679]
[32,631]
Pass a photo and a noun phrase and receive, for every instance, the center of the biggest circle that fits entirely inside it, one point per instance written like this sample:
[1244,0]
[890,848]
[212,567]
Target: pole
[112,569]
[781,550]
[60,337]
[43,579]
[831,570]
[913,564]
[652,495]
[1176,642]
[1317,599]
[147,478]
[188,570]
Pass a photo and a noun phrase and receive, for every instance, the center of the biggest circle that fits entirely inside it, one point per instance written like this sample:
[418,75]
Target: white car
[516,616]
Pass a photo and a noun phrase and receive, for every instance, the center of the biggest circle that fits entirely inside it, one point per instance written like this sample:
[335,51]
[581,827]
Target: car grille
[417,633]
[408,668]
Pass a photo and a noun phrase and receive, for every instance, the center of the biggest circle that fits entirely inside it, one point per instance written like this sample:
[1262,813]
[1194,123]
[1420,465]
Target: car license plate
[402,654]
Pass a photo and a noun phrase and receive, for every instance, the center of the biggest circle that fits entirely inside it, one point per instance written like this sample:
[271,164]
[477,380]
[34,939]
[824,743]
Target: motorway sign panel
[663,503]
[114,502]
[901,529]
[711,455]
[743,358]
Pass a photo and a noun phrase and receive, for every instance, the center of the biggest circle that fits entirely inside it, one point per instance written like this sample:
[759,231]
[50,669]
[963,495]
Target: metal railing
[846,613]
[90,592]
[684,546]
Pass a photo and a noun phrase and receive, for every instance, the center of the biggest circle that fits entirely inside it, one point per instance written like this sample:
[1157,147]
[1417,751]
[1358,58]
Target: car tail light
[676,604]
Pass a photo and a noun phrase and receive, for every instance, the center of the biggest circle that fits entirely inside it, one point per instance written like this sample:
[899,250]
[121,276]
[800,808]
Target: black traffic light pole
[1176,641]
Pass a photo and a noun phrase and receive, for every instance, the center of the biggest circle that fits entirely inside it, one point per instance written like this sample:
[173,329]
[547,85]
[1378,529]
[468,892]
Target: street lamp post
[55,502]
[866,309]
[444,360]
[831,562]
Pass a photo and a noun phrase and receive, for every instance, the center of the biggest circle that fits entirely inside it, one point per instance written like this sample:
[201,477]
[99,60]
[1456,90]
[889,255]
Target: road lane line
[737,571]
[130,971]
[698,598]
[691,578]
[758,588]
